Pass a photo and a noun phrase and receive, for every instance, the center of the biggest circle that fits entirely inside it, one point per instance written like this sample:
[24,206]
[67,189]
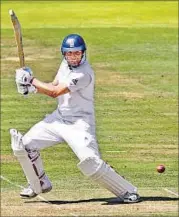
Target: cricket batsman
[72,122]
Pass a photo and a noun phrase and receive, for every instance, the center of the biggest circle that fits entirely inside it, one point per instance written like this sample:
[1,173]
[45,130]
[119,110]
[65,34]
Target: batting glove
[26,89]
[24,76]
[22,89]
[32,89]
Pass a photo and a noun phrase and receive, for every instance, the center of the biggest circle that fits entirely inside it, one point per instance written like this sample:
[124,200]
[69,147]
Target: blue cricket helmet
[73,42]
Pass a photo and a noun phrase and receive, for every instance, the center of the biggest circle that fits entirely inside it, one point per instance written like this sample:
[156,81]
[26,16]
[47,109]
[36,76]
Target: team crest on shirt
[74,81]
[71,42]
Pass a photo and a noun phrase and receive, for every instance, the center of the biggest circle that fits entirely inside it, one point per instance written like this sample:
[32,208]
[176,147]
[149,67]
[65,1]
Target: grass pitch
[133,49]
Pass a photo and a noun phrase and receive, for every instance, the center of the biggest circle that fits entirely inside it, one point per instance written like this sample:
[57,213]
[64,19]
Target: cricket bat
[18,37]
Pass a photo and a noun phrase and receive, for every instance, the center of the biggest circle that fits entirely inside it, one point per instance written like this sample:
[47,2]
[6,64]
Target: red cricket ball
[160,168]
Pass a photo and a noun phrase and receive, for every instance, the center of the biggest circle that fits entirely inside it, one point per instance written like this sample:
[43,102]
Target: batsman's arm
[52,89]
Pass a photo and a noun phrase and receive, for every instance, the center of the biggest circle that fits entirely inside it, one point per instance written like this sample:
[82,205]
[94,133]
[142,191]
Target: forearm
[49,88]
[42,87]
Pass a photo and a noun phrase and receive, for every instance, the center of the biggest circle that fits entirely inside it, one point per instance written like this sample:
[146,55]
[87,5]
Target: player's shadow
[107,201]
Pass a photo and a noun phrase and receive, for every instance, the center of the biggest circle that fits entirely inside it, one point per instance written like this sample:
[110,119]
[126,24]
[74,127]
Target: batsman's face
[74,58]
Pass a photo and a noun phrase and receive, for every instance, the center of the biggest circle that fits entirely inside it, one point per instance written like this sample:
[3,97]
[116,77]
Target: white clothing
[73,121]
[78,103]
[53,130]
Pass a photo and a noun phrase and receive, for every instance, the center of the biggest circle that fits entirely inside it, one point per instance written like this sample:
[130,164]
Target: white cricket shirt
[79,102]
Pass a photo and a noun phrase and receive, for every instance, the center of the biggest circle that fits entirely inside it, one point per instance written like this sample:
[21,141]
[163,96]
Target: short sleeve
[78,81]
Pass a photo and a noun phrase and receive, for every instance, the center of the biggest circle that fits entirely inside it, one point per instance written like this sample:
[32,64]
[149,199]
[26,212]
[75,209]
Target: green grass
[133,48]
[92,14]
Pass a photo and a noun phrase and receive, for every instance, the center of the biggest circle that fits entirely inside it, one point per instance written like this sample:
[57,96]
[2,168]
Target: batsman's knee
[91,166]
[18,146]
[29,142]
[101,172]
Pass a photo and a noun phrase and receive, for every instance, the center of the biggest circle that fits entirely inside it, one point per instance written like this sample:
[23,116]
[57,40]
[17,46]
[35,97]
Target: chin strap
[83,59]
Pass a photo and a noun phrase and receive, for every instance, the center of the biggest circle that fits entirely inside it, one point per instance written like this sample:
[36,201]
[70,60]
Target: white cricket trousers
[53,130]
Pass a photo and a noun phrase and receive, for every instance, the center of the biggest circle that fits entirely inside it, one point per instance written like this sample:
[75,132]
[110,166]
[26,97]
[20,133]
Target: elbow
[56,91]
[53,94]
[50,92]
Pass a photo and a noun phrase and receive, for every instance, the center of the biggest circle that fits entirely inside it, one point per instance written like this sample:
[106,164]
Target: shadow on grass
[108,201]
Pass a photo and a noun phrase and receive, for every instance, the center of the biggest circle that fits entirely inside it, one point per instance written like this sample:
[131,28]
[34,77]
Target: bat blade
[18,37]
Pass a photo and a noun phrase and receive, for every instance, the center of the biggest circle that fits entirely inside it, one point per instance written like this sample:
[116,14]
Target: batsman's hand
[25,89]
[22,89]
[24,76]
